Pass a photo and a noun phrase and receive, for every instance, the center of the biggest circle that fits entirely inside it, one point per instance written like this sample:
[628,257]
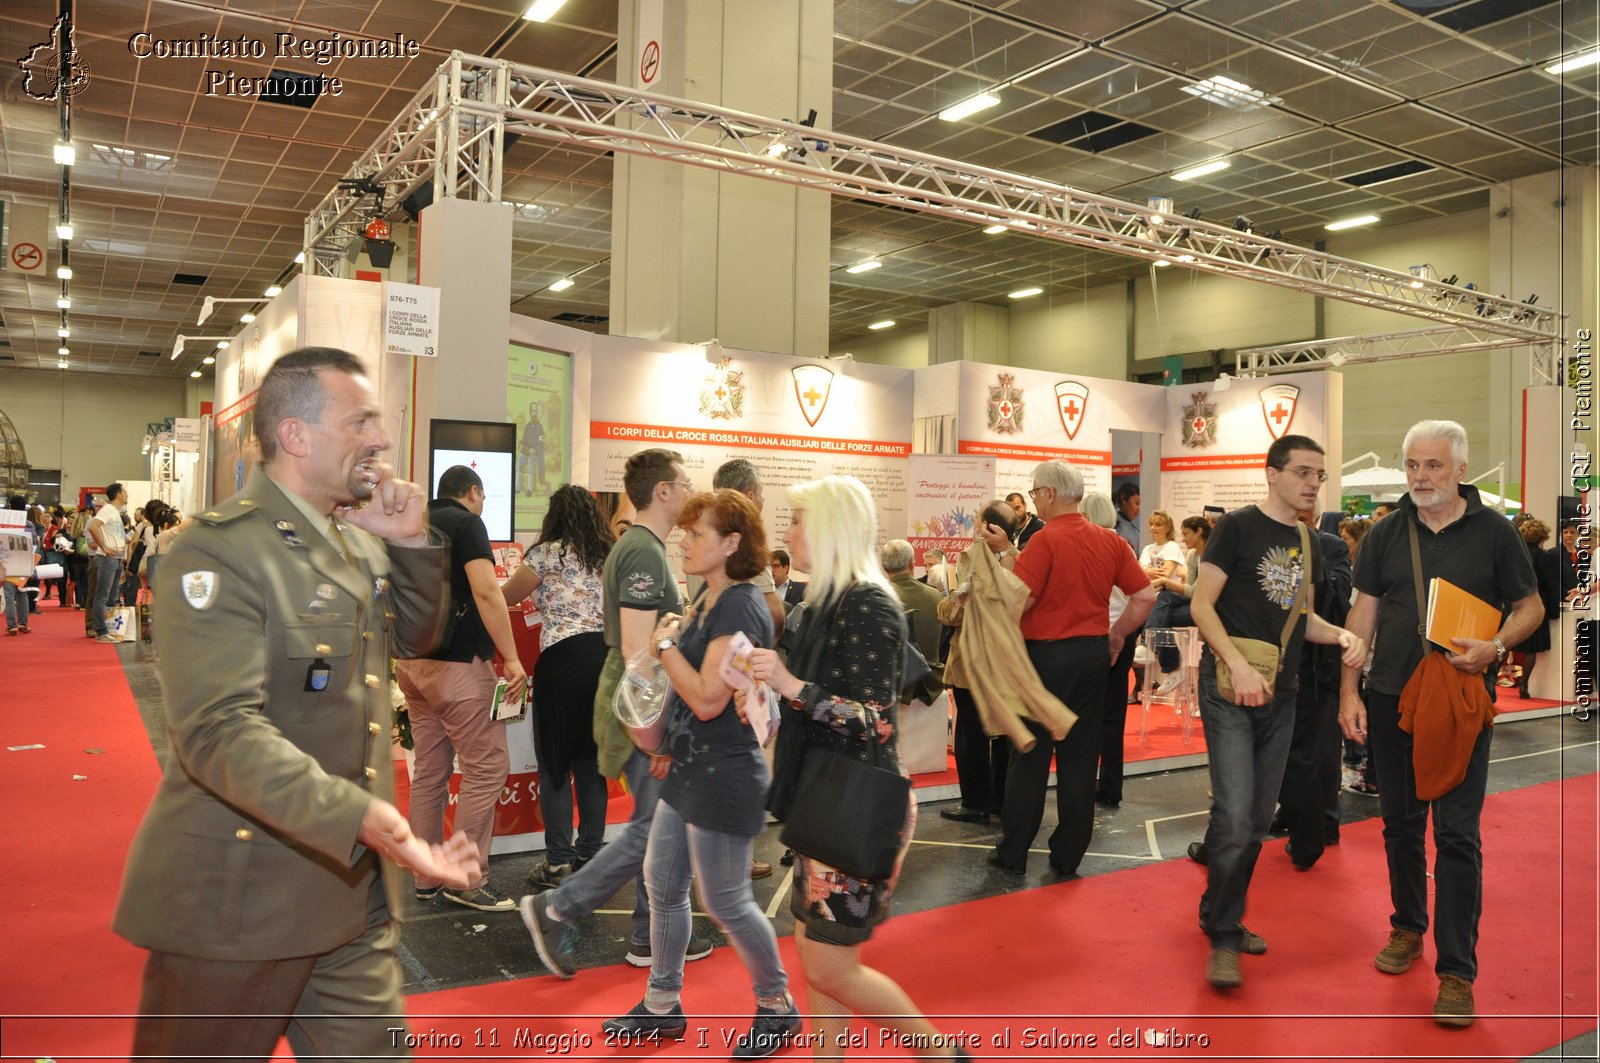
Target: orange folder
[1455,614]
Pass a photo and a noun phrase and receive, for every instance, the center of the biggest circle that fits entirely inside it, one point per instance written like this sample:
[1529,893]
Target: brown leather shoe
[1454,1007]
[760,869]
[1403,947]
[1222,969]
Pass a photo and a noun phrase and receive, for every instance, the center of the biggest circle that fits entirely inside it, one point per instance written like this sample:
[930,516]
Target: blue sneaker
[770,1031]
[644,1027]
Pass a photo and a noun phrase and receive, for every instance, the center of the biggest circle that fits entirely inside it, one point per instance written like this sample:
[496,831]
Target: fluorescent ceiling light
[245,319]
[541,10]
[1577,62]
[195,375]
[864,267]
[65,153]
[63,351]
[64,273]
[64,231]
[1024,293]
[1230,93]
[562,285]
[273,291]
[64,303]
[222,345]
[1200,171]
[969,107]
[63,332]
[208,360]
[1351,223]
[61,364]
[878,326]
[1162,262]
[994,230]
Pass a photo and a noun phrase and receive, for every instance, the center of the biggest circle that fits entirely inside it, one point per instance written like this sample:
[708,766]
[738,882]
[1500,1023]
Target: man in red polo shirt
[1070,566]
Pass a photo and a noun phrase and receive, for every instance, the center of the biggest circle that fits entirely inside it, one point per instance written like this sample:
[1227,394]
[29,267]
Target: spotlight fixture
[879,326]
[63,351]
[208,360]
[177,347]
[211,302]
[561,285]
[1162,262]
[1421,273]
[1193,214]
[1223,382]
[273,291]
[968,107]
[63,332]
[380,249]
[1337,358]
[1160,208]
[1243,224]
[300,259]
[64,231]
[1351,223]
[62,364]
[222,345]
[64,273]
[245,319]
[194,374]
[864,267]
[64,303]
[65,153]
[1205,168]
[993,230]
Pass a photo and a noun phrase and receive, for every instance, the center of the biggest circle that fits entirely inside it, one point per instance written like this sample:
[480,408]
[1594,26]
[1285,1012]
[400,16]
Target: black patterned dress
[850,701]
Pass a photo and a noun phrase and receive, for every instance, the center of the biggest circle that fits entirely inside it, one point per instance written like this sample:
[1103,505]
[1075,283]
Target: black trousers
[1457,842]
[980,760]
[1308,799]
[1114,724]
[1074,670]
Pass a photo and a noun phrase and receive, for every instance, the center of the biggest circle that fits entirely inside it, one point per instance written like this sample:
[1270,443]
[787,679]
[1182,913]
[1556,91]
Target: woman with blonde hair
[854,631]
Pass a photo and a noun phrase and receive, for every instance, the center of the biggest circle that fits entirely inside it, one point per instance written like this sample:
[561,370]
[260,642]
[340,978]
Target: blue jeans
[598,880]
[1457,842]
[556,800]
[1248,748]
[16,607]
[107,589]
[679,853]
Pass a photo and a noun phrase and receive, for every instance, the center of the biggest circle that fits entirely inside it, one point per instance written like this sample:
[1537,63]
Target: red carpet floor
[1034,973]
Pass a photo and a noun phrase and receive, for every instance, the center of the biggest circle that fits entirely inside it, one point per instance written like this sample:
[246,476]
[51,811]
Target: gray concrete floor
[445,946]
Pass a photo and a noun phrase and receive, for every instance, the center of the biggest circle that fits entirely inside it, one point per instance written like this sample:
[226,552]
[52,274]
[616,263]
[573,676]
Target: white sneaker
[1170,682]
[1141,654]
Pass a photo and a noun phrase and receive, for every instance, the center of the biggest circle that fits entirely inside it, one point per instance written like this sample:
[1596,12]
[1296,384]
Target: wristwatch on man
[1499,647]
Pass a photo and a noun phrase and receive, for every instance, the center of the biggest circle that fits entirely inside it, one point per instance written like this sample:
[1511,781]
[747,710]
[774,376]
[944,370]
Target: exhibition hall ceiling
[178,194]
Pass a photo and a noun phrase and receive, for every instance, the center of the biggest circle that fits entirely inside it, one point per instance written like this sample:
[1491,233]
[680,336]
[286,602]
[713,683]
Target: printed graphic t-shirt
[637,576]
[1261,558]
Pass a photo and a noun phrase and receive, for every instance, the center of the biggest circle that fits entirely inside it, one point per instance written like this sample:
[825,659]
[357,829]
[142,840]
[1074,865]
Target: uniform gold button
[389,615]
[244,834]
[323,647]
[371,773]
[374,727]
[366,636]
[372,680]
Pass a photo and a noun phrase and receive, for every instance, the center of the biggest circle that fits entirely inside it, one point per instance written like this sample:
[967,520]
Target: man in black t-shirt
[1459,540]
[448,694]
[1249,580]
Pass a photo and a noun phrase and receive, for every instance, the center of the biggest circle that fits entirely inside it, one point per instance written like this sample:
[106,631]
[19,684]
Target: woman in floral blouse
[850,698]
[562,572]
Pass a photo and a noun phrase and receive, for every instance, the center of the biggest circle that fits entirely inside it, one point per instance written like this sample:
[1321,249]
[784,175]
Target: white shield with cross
[1277,406]
[1072,399]
[811,386]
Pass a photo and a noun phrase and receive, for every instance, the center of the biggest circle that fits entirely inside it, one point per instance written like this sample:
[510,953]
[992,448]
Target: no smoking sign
[27,257]
[649,62]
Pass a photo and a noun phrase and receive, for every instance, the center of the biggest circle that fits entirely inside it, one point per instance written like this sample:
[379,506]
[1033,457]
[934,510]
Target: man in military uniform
[264,877]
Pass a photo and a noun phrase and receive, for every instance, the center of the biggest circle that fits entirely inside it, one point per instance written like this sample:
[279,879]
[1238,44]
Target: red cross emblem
[1278,404]
[1072,401]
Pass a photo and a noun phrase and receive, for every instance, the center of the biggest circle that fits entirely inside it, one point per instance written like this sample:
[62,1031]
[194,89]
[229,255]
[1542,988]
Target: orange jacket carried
[1443,709]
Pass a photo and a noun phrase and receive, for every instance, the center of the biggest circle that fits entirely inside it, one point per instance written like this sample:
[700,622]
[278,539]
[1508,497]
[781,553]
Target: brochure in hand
[760,702]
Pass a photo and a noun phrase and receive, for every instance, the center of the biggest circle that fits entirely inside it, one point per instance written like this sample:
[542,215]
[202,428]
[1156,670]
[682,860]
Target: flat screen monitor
[489,448]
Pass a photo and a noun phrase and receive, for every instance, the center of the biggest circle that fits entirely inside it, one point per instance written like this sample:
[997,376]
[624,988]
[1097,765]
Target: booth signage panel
[186,434]
[944,496]
[410,320]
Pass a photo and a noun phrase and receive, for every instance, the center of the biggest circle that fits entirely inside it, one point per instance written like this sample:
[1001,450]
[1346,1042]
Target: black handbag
[848,813]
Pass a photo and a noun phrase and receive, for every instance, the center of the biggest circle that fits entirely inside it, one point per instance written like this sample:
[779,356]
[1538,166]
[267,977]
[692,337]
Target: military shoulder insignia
[199,589]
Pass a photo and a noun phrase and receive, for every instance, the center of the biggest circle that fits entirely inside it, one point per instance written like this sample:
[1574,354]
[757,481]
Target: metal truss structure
[453,130]
[158,445]
[1389,346]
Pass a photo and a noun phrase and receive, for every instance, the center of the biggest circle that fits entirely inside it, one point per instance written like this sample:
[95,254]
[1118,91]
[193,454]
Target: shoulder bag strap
[1300,592]
[1416,579]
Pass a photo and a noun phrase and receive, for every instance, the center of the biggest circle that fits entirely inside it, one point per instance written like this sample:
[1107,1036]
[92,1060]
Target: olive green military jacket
[274,664]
